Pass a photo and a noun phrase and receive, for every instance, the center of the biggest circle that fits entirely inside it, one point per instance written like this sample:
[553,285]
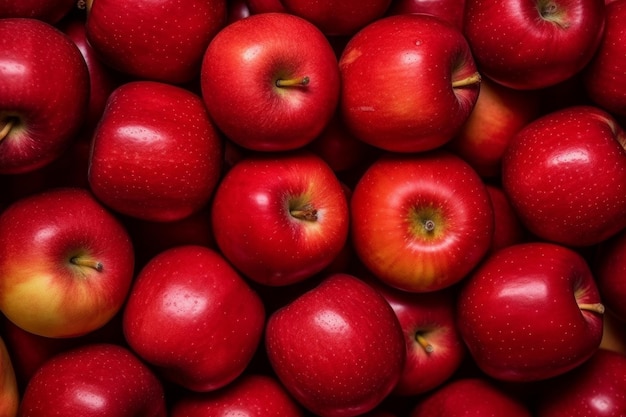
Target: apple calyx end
[429,226]
[551,12]
[87,262]
[293,82]
[425,344]
[472,80]
[593,307]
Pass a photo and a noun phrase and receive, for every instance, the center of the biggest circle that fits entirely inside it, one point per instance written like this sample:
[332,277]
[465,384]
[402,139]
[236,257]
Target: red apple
[251,395]
[47,11]
[156,155]
[270,82]
[500,112]
[66,263]
[596,388]
[610,273]
[280,218]
[338,348]
[531,311]
[451,11]
[421,222]
[9,394]
[605,76]
[102,79]
[508,229]
[338,17]
[564,174]
[38,118]
[30,351]
[533,44]
[94,380]
[164,43]
[434,346]
[470,397]
[408,83]
[193,318]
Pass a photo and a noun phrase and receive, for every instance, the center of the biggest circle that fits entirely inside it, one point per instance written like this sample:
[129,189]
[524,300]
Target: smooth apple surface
[387,87]
[535,44]
[596,388]
[470,397]
[338,17]
[410,225]
[338,348]
[38,118]
[156,154]
[9,393]
[605,76]
[164,43]
[194,318]
[280,218]
[270,82]
[66,263]
[510,309]
[97,380]
[251,395]
[563,174]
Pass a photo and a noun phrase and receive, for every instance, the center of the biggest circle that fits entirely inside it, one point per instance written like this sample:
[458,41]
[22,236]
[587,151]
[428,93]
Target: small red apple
[280,218]
[163,42]
[421,222]
[530,311]
[610,272]
[270,82]
[156,154]
[533,44]
[564,174]
[94,380]
[193,318]
[66,263]
[408,82]
[38,118]
[338,348]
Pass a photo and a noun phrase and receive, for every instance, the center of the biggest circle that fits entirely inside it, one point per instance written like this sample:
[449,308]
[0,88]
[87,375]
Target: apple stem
[5,126]
[293,82]
[307,213]
[90,263]
[473,79]
[428,348]
[594,307]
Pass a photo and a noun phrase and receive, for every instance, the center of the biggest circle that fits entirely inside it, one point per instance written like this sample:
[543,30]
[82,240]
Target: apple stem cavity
[293,82]
[6,125]
[307,213]
[87,262]
[473,79]
[421,340]
[593,307]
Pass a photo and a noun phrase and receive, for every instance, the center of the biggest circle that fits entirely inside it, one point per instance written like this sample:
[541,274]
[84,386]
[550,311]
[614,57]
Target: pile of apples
[312,208]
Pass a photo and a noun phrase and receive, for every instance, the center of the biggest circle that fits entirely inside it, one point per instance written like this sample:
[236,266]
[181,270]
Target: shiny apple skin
[393,200]
[510,309]
[388,86]
[564,174]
